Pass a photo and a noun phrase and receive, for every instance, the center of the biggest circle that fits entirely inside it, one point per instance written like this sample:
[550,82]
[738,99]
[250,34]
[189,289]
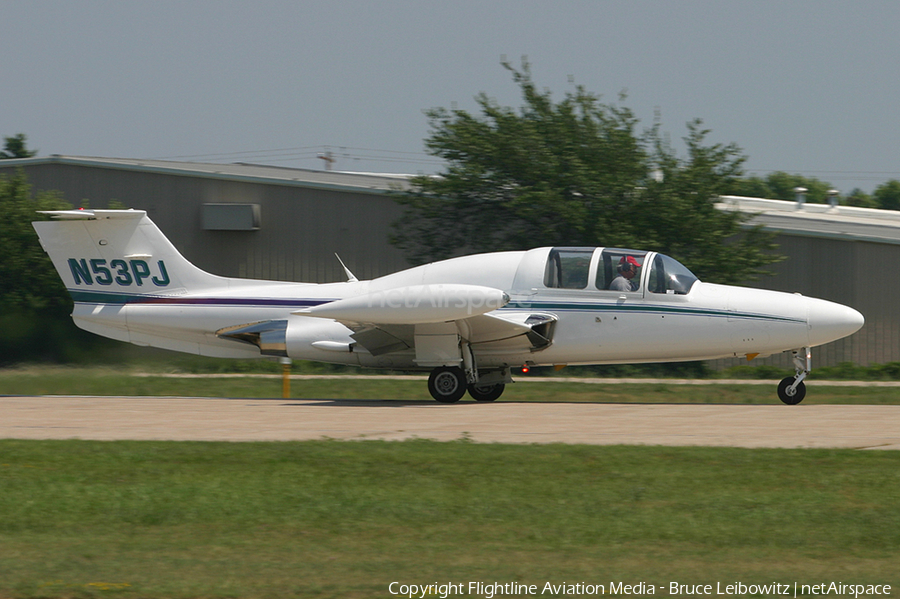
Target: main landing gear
[791,389]
[448,384]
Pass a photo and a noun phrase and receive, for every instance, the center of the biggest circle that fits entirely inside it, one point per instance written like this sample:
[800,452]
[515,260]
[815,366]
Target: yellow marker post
[285,377]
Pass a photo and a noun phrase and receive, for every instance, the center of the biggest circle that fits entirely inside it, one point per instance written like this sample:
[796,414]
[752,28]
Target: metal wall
[301,228]
[860,274]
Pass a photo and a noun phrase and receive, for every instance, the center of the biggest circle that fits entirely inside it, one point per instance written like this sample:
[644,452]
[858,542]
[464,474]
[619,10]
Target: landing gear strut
[792,390]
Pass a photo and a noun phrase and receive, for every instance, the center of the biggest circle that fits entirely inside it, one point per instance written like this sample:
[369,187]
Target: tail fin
[105,254]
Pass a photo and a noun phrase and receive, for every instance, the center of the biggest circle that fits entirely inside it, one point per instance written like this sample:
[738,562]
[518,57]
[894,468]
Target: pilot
[627,269]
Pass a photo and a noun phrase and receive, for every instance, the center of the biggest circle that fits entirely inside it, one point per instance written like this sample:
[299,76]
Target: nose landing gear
[792,390]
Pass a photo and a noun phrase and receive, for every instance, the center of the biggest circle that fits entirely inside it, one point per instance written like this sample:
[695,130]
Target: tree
[575,172]
[15,147]
[857,197]
[780,185]
[676,214]
[887,195]
[34,304]
[28,281]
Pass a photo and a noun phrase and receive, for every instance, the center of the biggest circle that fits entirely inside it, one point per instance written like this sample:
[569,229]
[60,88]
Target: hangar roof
[813,220]
[250,173]
[819,220]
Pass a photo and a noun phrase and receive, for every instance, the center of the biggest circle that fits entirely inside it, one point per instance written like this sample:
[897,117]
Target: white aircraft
[468,320]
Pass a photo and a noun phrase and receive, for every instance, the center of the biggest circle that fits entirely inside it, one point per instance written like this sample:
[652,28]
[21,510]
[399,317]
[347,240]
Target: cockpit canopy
[616,269]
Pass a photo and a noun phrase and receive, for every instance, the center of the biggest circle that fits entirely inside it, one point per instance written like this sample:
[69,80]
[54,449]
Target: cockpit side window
[667,275]
[620,270]
[567,268]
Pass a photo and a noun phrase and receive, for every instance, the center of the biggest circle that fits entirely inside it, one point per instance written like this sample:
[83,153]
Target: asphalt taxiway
[195,419]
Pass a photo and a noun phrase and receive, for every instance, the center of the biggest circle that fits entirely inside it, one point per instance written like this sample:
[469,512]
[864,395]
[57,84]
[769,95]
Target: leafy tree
[751,187]
[859,198]
[15,147]
[34,305]
[28,281]
[780,186]
[576,172]
[676,213]
[887,195]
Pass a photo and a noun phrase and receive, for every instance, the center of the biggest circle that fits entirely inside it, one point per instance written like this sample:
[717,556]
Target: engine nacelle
[302,338]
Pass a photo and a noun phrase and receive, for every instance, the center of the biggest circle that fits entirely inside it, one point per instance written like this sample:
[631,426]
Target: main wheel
[486,392]
[447,384]
[789,397]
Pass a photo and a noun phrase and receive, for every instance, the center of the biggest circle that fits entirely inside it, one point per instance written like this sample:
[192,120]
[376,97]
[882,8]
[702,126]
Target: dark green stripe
[651,309]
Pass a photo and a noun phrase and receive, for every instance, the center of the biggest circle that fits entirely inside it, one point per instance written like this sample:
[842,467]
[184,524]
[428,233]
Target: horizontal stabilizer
[418,304]
[88,214]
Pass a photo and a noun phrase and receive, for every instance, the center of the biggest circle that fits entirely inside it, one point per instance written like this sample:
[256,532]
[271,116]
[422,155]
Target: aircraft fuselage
[480,315]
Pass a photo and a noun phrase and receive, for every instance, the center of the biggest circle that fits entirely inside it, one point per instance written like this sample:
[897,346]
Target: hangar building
[239,220]
[286,224]
[843,254]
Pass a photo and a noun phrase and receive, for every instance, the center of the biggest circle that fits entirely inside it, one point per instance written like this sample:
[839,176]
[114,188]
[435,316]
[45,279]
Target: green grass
[105,381]
[344,519]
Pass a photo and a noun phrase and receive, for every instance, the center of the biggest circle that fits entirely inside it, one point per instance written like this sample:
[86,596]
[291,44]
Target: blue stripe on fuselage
[99,297]
[643,309]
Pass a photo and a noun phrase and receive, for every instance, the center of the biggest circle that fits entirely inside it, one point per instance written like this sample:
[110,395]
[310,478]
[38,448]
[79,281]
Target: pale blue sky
[806,86]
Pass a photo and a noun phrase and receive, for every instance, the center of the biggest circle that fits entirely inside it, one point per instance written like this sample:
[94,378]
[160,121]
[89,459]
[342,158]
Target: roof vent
[801,196]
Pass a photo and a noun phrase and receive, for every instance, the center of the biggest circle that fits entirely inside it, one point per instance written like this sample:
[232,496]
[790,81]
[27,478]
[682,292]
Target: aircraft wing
[402,318]
[415,304]
[525,331]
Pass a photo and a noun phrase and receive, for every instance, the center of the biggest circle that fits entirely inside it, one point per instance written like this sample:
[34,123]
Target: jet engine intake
[268,335]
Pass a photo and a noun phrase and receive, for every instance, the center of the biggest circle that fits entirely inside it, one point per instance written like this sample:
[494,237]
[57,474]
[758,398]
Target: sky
[803,86]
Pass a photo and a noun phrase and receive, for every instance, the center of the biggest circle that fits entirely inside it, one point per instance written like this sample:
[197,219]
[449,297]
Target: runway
[201,419]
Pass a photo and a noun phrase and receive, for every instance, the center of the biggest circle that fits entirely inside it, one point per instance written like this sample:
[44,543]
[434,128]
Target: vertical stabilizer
[114,253]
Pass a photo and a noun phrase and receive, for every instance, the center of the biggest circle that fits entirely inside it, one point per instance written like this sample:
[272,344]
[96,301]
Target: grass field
[339,519]
[345,519]
[107,381]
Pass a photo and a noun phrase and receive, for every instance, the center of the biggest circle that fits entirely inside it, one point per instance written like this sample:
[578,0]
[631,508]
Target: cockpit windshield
[616,269]
[667,275]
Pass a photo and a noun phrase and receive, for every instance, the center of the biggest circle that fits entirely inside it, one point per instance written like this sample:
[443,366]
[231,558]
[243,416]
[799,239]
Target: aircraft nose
[829,321]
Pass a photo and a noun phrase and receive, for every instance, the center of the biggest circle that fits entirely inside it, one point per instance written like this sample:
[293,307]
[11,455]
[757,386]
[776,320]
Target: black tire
[784,394]
[447,384]
[486,392]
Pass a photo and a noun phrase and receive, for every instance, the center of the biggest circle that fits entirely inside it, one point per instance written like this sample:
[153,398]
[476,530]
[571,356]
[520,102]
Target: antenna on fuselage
[351,278]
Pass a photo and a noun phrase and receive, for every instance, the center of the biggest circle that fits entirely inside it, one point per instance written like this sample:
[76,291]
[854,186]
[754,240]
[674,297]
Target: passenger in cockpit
[627,269]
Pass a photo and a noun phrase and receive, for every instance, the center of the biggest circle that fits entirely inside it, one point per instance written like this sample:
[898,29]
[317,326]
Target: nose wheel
[789,393]
[792,389]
